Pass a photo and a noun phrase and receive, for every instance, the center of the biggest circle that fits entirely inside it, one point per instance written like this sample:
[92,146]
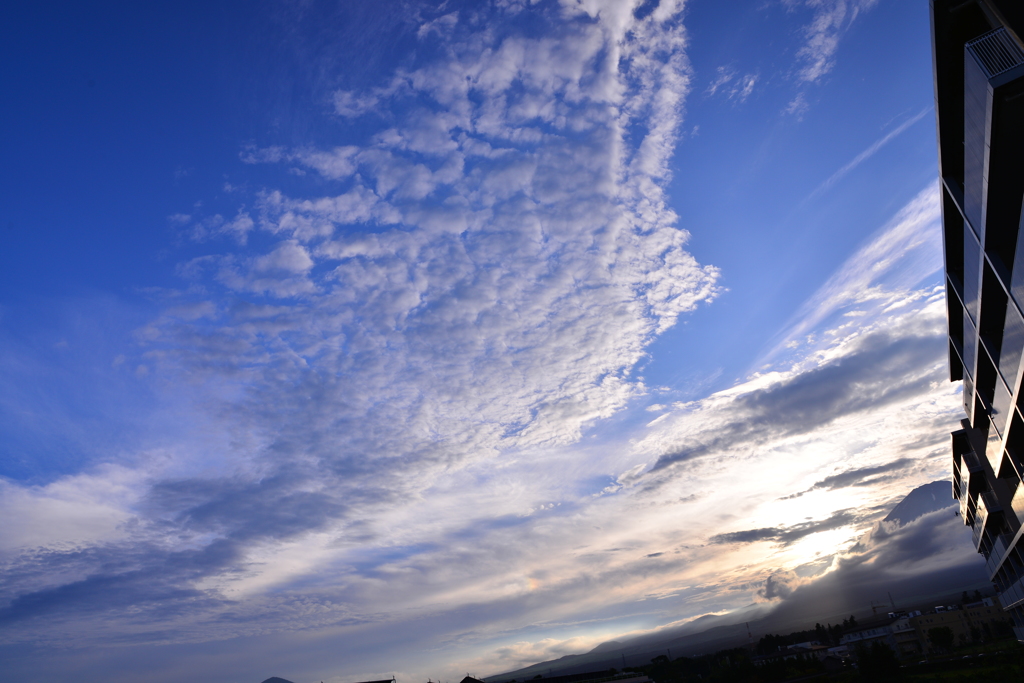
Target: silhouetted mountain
[605,647]
[704,634]
[275,679]
[852,587]
[937,495]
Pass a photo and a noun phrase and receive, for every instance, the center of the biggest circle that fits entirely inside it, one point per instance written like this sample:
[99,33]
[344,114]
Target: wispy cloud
[860,476]
[816,57]
[798,106]
[787,534]
[735,87]
[901,253]
[867,153]
[831,20]
[872,371]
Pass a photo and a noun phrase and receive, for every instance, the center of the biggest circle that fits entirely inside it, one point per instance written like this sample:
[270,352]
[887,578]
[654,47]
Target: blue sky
[343,340]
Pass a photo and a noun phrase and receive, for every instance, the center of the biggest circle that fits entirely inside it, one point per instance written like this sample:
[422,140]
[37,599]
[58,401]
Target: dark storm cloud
[931,555]
[789,534]
[855,477]
[747,536]
[149,580]
[813,568]
[274,507]
[882,370]
[858,477]
[774,588]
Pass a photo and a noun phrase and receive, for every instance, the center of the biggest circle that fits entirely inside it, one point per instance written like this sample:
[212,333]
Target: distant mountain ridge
[937,495]
[606,646]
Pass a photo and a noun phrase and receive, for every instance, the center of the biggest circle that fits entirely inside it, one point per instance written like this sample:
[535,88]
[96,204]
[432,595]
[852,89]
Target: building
[800,651]
[974,621]
[896,631]
[906,633]
[604,676]
[978,60]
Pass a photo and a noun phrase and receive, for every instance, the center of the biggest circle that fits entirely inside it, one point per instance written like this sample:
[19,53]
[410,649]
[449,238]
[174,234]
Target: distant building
[907,633]
[809,650]
[896,631]
[905,637]
[973,621]
[978,60]
[839,652]
[605,676]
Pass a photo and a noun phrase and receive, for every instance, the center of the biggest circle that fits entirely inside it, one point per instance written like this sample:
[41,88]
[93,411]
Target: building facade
[978,60]
[906,634]
[982,620]
[884,631]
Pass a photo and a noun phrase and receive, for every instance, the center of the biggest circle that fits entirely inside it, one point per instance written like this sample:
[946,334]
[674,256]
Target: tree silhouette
[941,638]
[876,661]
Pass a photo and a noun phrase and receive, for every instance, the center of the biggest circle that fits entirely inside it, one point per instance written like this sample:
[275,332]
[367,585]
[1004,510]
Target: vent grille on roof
[996,52]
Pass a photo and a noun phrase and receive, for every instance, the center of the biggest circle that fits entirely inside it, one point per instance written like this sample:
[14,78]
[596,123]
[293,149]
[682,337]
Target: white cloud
[798,106]
[349,105]
[289,257]
[868,153]
[724,74]
[441,26]
[736,88]
[203,229]
[537,272]
[70,513]
[745,87]
[900,255]
[831,20]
